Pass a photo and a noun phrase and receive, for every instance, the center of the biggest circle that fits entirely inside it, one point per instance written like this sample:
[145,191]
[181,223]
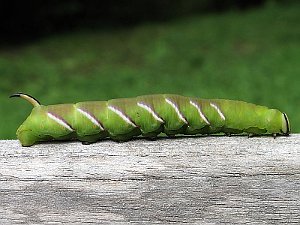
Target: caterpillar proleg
[149,115]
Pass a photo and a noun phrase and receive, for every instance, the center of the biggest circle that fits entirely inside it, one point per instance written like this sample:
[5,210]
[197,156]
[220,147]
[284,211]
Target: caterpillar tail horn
[27,97]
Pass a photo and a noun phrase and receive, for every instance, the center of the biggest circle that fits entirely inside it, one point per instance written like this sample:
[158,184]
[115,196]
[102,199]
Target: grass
[252,56]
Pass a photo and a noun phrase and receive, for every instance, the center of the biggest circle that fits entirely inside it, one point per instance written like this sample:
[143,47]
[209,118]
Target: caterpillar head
[286,128]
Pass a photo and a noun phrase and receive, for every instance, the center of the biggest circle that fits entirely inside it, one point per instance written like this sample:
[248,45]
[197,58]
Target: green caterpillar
[149,115]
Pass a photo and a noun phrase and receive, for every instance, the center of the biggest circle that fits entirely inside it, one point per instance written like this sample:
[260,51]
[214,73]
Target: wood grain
[196,180]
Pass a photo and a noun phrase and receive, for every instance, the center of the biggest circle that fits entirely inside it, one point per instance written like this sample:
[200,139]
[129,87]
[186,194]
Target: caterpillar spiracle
[149,115]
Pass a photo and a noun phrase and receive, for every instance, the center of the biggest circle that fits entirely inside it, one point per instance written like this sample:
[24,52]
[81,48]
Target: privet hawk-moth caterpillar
[149,115]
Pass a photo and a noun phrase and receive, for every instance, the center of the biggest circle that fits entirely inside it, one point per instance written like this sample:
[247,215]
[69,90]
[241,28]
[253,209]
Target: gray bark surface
[193,180]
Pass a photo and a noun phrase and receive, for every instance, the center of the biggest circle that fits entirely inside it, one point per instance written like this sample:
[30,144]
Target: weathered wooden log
[196,180]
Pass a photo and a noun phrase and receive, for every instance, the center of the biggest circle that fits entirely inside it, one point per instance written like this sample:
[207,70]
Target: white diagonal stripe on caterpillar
[59,121]
[174,106]
[218,110]
[200,112]
[90,117]
[151,111]
[122,115]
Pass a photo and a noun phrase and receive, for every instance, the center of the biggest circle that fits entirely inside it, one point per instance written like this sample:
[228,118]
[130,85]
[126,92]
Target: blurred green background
[245,52]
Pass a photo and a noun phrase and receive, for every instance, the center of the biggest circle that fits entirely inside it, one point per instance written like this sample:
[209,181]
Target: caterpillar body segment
[122,119]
